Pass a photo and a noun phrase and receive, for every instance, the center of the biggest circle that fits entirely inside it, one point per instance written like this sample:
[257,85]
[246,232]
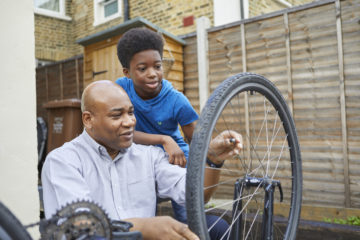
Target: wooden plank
[77,78]
[61,89]
[47,84]
[246,100]
[318,213]
[203,23]
[288,63]
[342,104]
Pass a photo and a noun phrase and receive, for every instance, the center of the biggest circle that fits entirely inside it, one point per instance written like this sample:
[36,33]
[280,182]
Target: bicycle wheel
[251,105]
[10,226]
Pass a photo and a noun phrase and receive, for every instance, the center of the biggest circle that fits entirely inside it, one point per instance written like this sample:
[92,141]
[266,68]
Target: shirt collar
[100,149]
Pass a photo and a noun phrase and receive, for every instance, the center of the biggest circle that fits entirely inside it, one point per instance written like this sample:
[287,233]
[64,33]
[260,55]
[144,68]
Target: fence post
[77,78]
[61,81]
[288,64]
[342,103]
[246,99]
[202,24]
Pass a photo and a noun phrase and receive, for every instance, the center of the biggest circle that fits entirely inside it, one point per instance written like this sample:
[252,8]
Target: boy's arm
[188,131]
[176,155]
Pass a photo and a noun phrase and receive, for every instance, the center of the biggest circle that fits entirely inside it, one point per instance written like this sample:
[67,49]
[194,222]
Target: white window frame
[99,17]
[60,15]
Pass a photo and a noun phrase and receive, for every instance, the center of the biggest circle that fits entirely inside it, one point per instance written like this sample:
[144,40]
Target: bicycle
[245,196]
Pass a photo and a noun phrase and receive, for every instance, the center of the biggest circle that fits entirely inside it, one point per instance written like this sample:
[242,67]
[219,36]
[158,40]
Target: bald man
[105,166]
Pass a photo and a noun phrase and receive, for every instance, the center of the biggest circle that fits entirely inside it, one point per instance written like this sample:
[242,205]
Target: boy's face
[146,73]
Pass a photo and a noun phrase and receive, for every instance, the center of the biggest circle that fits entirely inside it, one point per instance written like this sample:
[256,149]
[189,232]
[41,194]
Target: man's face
[146,72]
[113,121]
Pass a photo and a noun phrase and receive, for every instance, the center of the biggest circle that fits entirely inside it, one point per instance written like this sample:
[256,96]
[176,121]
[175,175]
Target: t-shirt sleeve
[183,111]
[122,82]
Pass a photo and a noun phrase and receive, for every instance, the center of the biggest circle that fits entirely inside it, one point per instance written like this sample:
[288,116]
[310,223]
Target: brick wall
[53,37]
[259,7]
[169,15]
[56,39]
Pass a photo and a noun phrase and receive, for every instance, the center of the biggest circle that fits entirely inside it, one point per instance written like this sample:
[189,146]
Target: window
[106,10]
[228,11]
[51,8]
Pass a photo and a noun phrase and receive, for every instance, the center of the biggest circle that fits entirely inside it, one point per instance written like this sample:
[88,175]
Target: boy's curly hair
[136,40]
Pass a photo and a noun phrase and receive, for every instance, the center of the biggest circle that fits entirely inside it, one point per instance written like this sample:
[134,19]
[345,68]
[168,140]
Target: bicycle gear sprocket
[78,220]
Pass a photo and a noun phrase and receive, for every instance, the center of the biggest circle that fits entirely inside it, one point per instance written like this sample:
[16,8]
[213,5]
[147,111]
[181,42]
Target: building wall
[18,154]
[55,39]
[169,15]
[259,7]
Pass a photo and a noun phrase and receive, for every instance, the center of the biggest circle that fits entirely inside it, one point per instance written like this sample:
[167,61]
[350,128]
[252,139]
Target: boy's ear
[126,72]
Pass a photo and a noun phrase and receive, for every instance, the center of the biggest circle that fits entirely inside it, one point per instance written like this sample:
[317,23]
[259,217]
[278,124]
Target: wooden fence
[312,54]
[58,81]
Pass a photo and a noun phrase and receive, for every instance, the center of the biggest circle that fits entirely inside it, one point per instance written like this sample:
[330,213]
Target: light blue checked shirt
[124,187]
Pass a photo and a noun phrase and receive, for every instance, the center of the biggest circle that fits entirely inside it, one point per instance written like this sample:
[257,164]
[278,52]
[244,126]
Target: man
[103,165]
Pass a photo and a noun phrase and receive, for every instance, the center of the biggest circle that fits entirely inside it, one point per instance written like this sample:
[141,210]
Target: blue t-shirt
[162,114]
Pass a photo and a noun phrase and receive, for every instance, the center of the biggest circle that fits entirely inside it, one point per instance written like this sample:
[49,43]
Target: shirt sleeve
[122,82]
[170,178]
[62,181]
[183,111]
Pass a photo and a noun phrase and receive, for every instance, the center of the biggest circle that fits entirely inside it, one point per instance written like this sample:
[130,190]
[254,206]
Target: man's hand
[162,228]
[176,155]
[226,144]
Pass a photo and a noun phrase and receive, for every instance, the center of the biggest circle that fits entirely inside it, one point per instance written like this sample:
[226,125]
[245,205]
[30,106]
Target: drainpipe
[126,10]
[241,9]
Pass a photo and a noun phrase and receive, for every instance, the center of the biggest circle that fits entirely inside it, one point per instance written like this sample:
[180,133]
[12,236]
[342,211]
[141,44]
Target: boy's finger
[171,159]
[184,162]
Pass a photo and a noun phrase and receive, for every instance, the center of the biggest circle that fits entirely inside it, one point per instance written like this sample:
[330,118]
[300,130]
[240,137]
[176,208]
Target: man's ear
[126,72]
[87,119]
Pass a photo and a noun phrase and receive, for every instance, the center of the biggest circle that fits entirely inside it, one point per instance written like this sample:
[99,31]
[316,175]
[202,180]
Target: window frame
[61,14]
[99,14]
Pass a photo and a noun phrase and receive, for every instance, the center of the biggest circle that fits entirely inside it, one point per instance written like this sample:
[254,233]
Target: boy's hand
[176,155]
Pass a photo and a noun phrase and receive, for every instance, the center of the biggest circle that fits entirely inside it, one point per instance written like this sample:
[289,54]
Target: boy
[159,108]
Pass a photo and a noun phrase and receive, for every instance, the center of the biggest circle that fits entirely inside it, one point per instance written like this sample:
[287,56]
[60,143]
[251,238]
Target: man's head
[140,53]
[108,115]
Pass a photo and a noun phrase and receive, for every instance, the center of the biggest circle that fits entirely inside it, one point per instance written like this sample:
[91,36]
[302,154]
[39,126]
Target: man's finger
[185,232]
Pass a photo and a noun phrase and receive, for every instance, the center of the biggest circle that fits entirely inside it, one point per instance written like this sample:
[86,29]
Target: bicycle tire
[223,96]
[11,226]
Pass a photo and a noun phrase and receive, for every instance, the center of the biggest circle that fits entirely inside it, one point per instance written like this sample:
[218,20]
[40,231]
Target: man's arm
[62,182]
[162,228]
[225,145]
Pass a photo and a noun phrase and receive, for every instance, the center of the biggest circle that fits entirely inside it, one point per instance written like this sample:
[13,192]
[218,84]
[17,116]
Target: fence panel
[57,81]
[312,54]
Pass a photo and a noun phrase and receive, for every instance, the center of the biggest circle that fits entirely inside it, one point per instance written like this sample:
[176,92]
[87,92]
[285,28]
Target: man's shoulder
[141,147]
[146,151]
[68,149]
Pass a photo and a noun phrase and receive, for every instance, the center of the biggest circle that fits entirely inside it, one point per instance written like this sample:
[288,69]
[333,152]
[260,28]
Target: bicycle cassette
[78,220]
